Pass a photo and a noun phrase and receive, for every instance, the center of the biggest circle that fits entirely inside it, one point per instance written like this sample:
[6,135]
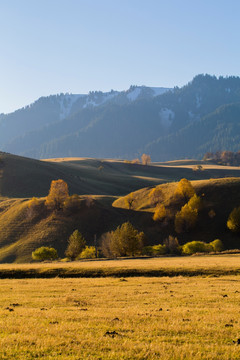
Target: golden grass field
[178,317]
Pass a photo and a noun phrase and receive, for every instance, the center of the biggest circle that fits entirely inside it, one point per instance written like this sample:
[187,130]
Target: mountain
[168,124]
[54,108]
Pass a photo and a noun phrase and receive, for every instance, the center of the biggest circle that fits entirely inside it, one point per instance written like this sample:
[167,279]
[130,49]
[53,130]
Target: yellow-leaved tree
[160,213]
[184,189]
[58,193]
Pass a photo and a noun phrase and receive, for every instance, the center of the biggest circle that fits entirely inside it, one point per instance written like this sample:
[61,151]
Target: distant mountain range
[203,116]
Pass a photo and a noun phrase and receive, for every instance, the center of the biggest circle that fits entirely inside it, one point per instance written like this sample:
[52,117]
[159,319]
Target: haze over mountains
[165,123]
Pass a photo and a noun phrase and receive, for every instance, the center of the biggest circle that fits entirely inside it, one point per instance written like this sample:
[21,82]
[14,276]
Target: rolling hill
[103,181]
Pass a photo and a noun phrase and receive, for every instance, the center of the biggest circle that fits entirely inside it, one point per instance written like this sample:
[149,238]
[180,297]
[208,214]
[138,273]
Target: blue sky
[54,46]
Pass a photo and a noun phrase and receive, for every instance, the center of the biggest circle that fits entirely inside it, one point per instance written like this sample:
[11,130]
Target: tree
[129,200]
[146,159]
[195,203]
[172,245]
[58,193]
[76,244]
[185,219]
[155,195]
[184,189]
[233,222]
[160,213]
[124,241]
[45,253]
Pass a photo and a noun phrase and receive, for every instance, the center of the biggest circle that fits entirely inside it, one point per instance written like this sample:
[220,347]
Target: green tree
[233,222]
[45,253]
[76,244]
[124,241]
[58,193]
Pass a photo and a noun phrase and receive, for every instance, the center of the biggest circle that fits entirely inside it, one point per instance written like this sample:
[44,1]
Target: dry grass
[134,318]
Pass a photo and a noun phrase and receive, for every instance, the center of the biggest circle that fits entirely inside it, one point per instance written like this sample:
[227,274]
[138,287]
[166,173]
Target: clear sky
[55,46]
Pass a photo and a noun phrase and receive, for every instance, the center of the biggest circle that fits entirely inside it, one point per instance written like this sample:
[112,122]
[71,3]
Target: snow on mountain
[66,102]
[159,90]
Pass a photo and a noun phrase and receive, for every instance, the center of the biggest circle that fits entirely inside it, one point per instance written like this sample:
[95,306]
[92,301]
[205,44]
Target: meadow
[131,317]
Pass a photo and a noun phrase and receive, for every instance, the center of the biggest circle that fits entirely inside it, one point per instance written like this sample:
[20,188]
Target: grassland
[123,318]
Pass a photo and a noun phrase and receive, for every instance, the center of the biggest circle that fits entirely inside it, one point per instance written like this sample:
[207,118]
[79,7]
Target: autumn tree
[146,159]
[185,219]
[76,244]
[184,189]
[155,195]
[233,222]
[58,193]
[160,213]
[72,204]
[124,241]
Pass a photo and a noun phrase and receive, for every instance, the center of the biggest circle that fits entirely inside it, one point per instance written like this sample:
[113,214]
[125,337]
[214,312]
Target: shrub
[72,204]
[217,245]
[76,244]
[45,253]
[233,222]
[88,253]
[196,246]
[34,207]
[159,249]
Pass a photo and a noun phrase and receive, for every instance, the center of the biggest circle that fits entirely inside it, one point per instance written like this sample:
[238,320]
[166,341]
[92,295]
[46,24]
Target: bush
[45,253]
[195,247]
[154,250]
[217,245]
[88,253]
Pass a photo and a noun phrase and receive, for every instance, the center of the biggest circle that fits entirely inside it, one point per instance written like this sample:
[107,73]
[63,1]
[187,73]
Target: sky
[76,46]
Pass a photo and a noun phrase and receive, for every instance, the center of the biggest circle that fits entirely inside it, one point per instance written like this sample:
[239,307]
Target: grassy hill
[105,180]
[219,197]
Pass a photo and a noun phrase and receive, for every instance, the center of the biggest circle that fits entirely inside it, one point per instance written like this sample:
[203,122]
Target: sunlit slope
[25,177]
[219,197]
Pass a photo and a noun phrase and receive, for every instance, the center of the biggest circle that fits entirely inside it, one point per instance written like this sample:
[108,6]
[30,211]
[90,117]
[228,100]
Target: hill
[164,124]
[25,177]
[218,196]
[99,183]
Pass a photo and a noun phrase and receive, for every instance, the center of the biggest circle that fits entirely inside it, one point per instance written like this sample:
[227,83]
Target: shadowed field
[211,265]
